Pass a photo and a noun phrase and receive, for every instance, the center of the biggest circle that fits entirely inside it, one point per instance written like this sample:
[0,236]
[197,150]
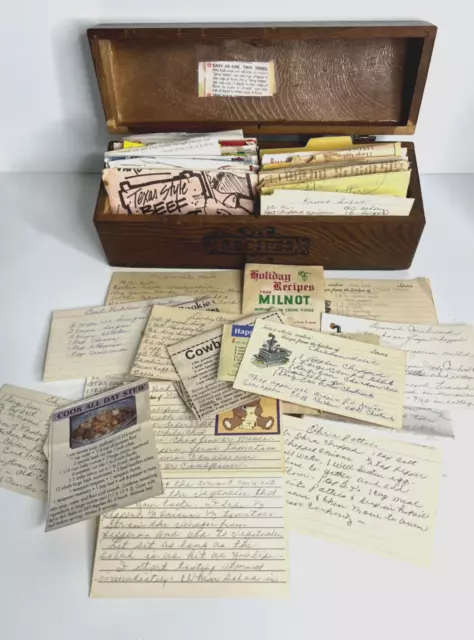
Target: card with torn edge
[324,372]
[383,500]
[240,551]
[196,361]
[97,340]
[167,326]
[25,416]
[102,455]
[225,287]
[187,445]
[391,300]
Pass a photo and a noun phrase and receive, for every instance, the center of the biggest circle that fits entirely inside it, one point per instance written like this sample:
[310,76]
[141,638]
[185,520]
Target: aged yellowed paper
[165,327]
[236,78]
[350,486]
[102,455]
[387,184]
[204,537]
[225,287]
[326,203]
[96,385]
[25,416]
[291,408]
[97,340]
[391,300]
[189,446]
[298,292]
[196,361]
[440,358]
[441,339]
[324,372]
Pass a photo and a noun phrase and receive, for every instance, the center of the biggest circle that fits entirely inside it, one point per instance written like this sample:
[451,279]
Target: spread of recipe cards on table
[222,409]
[215,411]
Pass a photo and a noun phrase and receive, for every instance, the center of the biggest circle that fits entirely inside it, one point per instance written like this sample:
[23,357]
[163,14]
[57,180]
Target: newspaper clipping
[102,455]
[196,360]
[235,338]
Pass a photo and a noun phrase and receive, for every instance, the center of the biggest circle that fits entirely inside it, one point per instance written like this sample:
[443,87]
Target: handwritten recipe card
[205,537]
[187,445]
[165,328]
[391,300]
[97,340]
[440,358]
[308,368]
[24,423]
[372,492]
[225,287]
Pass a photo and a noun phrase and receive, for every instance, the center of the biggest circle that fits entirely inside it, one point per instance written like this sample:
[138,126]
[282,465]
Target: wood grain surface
[336,78]
[335,242]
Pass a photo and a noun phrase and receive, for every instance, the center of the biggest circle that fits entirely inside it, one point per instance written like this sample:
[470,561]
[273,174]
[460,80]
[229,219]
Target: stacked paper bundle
[216,418]
[334,176]
[182,173]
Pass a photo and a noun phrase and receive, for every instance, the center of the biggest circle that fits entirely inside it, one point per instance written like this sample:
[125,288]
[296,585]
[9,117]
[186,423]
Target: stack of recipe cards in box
[181,173]
[335,177]
[222,408]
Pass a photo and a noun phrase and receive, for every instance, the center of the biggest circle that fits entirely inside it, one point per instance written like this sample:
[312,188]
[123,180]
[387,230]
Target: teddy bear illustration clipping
[248,416]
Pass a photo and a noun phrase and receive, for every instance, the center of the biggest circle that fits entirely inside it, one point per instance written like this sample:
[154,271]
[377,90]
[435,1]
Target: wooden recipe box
[359,79]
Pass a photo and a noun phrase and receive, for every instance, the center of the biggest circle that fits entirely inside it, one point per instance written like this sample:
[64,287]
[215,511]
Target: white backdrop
[50,109]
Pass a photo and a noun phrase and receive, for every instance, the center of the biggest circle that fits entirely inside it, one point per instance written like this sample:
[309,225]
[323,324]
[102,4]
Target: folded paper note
[25,416]
[298,292]
[97,340]
[225,287]
[234,341]
[196,361]
[363,490]
[166,328]
[163,192]
[345,377]
[102,455]
[325,203]
[204,537]
[391,300]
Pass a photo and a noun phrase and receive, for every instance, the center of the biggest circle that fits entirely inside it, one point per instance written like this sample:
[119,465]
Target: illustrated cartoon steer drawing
[250,416]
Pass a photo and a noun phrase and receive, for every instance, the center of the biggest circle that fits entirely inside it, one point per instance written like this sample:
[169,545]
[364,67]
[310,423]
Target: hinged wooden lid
[331,78]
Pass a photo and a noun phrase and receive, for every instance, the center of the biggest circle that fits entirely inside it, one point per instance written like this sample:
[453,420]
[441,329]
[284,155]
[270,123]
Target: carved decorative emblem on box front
[262,243]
